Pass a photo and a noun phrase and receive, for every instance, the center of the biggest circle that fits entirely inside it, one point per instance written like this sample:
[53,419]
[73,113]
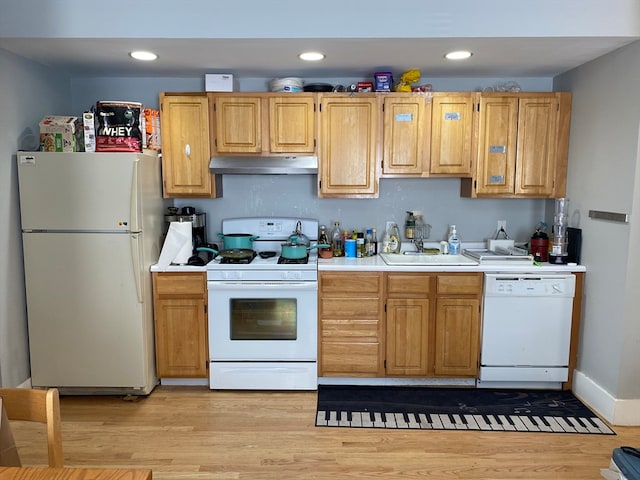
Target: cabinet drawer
[349,358]
[179,284]
[351,330]
[350,285]
[408,284]
[349,308]
[467,284]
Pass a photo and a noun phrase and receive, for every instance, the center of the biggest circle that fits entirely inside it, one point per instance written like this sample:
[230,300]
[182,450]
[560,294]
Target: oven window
[263,318]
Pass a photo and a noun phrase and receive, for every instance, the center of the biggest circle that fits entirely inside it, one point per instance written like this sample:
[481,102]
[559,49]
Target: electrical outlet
[502,225]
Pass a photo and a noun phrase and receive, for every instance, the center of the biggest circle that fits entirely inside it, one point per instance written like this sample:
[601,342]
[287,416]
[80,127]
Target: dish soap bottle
[454,241]
[395,244]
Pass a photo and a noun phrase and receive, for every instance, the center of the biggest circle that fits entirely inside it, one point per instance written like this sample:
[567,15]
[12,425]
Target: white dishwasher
[526,330]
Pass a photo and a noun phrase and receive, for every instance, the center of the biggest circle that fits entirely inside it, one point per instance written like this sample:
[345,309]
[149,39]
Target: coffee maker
[198,224]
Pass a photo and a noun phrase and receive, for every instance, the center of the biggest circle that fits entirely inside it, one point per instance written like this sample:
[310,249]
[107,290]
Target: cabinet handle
[187,150]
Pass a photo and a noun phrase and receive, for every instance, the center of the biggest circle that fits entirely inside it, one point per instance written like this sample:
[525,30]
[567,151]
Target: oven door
[262,321]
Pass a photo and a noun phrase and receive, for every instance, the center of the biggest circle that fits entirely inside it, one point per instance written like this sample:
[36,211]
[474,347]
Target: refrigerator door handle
[135,216]
[136,260]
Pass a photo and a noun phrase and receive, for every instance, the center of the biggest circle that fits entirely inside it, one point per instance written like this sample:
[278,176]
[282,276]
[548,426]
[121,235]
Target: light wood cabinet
[457,325]
[408,325]
[185,147]
[349,150]
[180,317]
[407,123]
[453,133]
[292,123]
[350,324]
[433,324]
[522,145]
[263,123]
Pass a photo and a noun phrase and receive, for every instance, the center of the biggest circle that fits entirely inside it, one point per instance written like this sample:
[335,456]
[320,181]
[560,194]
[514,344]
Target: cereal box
[58,134]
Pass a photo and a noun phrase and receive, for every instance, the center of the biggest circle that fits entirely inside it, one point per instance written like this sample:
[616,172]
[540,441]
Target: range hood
[264,165]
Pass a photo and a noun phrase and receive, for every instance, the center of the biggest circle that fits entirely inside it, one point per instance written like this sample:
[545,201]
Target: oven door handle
[218,286]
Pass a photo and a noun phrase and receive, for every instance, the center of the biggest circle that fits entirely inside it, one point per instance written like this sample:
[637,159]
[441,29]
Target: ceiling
[345,57]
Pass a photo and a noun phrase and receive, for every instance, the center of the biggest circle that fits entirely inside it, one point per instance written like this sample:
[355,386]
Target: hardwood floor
[193,432]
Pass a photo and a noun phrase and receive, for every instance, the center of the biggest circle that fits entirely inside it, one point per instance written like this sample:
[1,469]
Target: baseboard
[26,383]
[613,410]
[184,381]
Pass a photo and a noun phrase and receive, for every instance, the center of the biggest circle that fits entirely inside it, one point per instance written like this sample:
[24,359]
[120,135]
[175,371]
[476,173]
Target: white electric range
[263,310]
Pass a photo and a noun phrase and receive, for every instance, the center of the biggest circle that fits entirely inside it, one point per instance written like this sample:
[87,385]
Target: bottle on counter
[323,238]
[368,243]
[374,241]
[386,242]
[395,244]
[360,245]
[337,241]
[410,226]
[454,241]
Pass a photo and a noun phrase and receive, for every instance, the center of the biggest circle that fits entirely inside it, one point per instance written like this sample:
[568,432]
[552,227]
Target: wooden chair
[37,406]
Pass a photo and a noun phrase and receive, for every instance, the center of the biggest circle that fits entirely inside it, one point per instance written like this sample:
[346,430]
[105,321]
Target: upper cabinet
[453,133]
[522,146]
[185,146]
[349,149]
[406,120]
[263,123]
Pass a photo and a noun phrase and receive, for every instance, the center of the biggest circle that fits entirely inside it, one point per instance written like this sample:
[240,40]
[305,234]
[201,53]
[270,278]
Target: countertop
[178,268]
[377,264]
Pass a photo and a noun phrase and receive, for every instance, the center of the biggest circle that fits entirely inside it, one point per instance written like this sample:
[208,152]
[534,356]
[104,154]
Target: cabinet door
[497,145]
[292,124]
[349,145]
[238,124]
[457,336]
[407,336]
[185,146]
[405,134]
[452,134]
[536,150]
[181,337]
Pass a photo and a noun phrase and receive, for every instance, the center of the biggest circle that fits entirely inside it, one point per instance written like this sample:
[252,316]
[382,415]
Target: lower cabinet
[351,319]
[457,325]
[398,324]
[180,316]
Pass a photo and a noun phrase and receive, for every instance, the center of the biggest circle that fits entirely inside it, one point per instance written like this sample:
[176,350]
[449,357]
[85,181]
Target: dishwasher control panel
[529,285]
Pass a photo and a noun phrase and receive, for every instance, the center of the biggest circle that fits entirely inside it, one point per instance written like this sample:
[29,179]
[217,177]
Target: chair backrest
[37,406]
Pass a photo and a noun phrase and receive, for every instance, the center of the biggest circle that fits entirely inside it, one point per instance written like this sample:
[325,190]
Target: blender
[559,254]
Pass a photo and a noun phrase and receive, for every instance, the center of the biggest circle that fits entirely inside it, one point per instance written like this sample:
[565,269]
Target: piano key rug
[429,408]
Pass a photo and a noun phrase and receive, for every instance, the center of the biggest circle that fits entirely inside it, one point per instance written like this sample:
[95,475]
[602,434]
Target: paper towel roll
[177,246]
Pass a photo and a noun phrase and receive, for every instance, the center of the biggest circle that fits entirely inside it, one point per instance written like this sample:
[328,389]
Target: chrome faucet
[419,243]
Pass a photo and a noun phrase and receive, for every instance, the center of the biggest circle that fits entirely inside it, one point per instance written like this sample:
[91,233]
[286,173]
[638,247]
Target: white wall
[28,92]
[604,175]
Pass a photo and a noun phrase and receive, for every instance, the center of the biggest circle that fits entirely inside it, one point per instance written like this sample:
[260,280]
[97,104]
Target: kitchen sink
[416,259]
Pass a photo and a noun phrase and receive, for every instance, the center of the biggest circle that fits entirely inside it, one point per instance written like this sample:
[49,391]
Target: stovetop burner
[238,261]
[293,261]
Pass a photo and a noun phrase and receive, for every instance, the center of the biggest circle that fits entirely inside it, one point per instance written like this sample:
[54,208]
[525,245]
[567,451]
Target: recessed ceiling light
[311,56]
[458,55]
[142,55]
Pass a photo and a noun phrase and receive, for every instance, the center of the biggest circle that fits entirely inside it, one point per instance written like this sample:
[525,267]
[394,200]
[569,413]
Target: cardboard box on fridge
[218,82]
[58,134]
[89,129]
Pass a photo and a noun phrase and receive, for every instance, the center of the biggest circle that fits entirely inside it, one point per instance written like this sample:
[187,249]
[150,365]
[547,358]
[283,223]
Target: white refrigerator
[91,228]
